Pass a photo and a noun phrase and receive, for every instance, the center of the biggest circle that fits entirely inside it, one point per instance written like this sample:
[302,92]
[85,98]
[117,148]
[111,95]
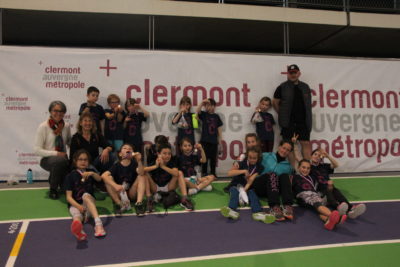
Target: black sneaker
[187,204]
[140,209]
[117,210]
[53,194]
[150,205]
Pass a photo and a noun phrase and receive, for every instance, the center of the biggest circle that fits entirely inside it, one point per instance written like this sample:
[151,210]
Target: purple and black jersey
[252,169]
[113,129]
[122,173]
[160,176]
[97,112]
[264,129]
[73,183]
[321,172]
[133,130]
[189,132]
[96,141]
[209,127]
[305,183]
[186,164]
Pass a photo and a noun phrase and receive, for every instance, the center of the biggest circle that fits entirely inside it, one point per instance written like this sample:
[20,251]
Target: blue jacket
[270,164]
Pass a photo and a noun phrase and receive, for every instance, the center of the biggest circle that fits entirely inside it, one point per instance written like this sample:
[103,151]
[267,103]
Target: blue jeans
[253,199]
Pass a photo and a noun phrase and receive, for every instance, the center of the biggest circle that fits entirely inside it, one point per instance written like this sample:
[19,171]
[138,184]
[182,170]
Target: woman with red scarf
[51,139]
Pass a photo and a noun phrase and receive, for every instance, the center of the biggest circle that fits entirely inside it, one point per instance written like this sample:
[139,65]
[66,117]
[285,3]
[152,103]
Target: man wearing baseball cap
[292,102]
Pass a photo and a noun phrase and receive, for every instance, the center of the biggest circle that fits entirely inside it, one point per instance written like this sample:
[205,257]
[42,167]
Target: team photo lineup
[108,154]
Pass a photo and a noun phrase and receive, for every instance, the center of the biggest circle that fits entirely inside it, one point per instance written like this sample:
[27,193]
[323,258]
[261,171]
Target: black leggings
[273,187]
[211,151]
[335,197]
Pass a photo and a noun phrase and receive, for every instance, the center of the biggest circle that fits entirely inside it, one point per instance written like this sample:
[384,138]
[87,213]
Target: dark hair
[160,139]
[185,100]
[163,146]
[111,97]
[78,153]
[265,98]
[252,135]
[129,102]
[285,141]
[212,102]
[185,139]
[92,89]
[255,150]
[303,160]
[57,102]
[120,149]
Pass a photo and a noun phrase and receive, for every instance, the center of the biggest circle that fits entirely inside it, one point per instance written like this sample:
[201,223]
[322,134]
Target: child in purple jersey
[163,177]
[136,115]
[335,197]
[211,133]
[241,183]
[128,175]
[183,119]
[187,162]
[93,108]
[264,122]
[306,189]
[79,192]
[113,124]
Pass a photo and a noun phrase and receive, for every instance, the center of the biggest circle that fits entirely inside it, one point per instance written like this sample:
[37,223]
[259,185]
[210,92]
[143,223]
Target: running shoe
[288,212]
[77,230]
[117,210]
[229,213]
[356,210]
[150,205]
[140,209]
[333,219]
[187,204]
[342,208]
[99,231]
[208,188]
[192,191]
[343,218]
[277,212]
[263,217]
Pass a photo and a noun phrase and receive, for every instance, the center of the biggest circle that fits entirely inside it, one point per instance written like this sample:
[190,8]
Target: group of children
[143,174]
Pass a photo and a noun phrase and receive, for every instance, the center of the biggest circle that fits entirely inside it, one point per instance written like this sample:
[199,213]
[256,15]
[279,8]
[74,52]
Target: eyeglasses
[58,111]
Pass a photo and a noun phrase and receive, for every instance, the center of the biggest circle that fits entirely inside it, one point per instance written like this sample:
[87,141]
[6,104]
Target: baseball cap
[293,68]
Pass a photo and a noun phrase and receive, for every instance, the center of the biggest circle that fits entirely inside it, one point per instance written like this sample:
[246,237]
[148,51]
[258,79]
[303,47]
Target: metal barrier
[372,6]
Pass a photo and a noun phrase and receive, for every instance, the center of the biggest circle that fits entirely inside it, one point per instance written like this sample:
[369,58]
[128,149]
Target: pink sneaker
[77,230]
[332,220]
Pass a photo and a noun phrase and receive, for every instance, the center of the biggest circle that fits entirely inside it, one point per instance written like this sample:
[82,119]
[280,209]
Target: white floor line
[17,244]
[251,253]
[22,188]
[175,212]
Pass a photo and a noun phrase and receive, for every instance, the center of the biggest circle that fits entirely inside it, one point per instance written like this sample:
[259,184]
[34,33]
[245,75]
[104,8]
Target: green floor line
[33,204]
[364,256]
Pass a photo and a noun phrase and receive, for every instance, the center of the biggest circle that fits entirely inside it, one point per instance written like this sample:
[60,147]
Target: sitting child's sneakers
[99,230]
[288,212]
[117,210]
[150,205]
[208,188]
[77,230]
[277,212]
[229,213]
[263,217]
[342,208]
[187,204]
[356,210]
[192,191]
[140,209]
[333,219]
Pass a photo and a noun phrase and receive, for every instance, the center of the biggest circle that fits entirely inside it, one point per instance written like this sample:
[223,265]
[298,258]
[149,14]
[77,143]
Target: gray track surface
[153,237]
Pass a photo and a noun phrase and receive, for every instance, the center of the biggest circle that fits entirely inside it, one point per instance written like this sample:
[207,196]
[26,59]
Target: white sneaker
[229,213]
[342,208]
[192,191]
[263,217]
[208,188]
[356,211]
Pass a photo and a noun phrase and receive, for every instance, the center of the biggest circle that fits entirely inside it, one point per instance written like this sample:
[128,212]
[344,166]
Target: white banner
[355,101]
